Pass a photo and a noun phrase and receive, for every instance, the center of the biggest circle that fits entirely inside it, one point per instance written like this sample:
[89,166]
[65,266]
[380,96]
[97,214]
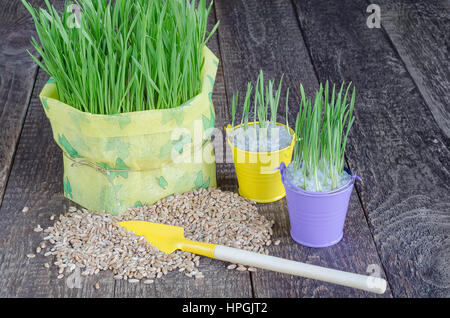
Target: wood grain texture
[355,253]
[36,182]
[397,147]
[420,32]
[218,282]
[266,34]
[224,159]
[16,85]
[17,76]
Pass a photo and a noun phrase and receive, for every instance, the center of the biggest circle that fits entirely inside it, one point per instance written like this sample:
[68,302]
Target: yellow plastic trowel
[168,238]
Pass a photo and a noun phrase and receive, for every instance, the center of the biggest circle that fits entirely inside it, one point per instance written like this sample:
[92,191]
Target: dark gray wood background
[399,216]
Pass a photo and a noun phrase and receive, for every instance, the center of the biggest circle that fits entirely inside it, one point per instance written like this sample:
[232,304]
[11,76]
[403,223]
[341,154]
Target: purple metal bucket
[317,218]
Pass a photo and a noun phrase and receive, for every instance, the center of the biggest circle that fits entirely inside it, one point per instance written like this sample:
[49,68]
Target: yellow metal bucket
[257,174]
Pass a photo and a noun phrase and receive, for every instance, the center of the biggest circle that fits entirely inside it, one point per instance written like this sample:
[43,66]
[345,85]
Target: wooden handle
[238,256]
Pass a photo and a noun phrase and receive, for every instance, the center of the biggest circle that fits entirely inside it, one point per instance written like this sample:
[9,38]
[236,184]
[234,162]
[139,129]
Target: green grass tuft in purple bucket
[322,125]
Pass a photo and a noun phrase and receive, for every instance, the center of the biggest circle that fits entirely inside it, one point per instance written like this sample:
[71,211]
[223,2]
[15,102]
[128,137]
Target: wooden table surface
[399,216]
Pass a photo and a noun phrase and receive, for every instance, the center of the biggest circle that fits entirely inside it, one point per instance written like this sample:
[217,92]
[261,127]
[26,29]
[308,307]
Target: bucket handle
[285,180]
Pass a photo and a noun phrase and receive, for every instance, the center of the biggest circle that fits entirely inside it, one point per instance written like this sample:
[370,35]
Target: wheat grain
[95,242]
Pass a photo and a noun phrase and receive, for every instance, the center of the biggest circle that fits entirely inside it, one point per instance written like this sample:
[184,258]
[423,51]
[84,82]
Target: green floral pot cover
[114,162]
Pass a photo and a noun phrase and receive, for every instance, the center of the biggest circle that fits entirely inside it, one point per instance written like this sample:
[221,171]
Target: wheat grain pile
[94,242]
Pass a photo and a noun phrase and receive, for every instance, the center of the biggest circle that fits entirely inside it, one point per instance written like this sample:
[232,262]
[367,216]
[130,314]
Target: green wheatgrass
[124,56]
[323,126]
[265,100]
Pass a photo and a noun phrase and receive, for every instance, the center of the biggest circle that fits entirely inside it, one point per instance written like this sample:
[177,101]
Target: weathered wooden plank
[253,37]
[225,169]
[35,182]
[17,76]
[397,147]
[31,184]
[15,90]
[355,253]
[265,34]
[420,32]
